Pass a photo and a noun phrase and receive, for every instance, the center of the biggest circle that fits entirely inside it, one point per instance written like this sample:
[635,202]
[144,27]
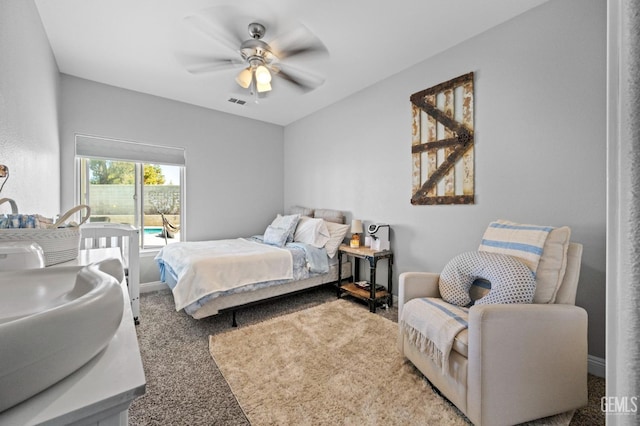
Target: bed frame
[237,301]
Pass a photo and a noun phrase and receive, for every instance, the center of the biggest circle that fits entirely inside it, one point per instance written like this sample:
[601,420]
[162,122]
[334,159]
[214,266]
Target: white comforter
[206,267]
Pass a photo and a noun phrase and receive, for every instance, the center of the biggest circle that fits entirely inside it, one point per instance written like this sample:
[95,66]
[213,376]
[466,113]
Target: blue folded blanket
[317,258]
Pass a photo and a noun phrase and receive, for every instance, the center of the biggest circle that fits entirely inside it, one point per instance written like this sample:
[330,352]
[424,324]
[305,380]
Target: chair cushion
[511,280]
[461,343]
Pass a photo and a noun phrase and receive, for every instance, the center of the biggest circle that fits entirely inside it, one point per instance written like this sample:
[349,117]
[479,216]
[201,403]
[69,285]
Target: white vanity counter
[100,392]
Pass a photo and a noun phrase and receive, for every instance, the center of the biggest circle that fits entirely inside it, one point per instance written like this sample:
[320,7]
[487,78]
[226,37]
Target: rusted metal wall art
[442,143]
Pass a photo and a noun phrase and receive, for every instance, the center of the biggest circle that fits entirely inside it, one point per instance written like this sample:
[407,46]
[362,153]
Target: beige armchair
[515,362]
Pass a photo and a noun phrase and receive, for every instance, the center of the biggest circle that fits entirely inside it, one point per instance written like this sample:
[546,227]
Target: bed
[297,251]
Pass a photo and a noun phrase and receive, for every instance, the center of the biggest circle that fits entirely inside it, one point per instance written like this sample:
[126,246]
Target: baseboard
[597,366]
[153,286]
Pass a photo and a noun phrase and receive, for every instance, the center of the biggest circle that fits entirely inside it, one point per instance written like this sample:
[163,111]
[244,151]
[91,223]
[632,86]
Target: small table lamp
[356,230]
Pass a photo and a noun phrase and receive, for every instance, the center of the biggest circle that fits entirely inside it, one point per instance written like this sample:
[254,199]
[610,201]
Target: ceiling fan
[258,62]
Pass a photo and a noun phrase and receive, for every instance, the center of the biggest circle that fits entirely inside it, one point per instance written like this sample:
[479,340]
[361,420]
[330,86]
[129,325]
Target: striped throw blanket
[432,324]
[522,241]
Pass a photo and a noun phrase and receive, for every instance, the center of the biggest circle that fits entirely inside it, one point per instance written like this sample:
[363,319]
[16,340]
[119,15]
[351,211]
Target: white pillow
[311,231]
[337,233]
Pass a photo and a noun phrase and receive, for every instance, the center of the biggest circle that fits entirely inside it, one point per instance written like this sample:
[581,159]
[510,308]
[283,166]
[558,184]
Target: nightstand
[374,293]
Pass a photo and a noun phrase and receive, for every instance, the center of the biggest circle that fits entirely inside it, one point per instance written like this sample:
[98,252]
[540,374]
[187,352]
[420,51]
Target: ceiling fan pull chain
[254,88]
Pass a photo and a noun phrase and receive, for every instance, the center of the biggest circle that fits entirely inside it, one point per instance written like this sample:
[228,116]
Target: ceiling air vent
[237,101]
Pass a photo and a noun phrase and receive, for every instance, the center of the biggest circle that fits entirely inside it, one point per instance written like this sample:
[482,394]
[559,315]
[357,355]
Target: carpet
[334,363]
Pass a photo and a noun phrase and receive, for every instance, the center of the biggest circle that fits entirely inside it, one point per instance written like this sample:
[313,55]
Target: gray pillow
[288,222]
[275,236]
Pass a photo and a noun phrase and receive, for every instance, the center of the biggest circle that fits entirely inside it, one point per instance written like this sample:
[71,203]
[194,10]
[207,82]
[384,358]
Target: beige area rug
[335,363]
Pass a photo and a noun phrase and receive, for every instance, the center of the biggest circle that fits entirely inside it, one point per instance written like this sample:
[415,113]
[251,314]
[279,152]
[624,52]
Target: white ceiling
[133,44]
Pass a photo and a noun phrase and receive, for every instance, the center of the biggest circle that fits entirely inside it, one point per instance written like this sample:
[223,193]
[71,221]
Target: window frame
[83,176]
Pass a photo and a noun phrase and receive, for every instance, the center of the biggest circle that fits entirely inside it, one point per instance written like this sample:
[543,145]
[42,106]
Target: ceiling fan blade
[204,68]
[199,64]
[297,42]
[302,80]
[228,23]
[224,32]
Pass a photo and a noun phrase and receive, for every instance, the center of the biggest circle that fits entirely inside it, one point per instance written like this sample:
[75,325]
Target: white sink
[52,322]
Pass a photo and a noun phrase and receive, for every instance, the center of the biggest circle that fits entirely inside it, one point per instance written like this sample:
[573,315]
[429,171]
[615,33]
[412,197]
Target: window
[125,182]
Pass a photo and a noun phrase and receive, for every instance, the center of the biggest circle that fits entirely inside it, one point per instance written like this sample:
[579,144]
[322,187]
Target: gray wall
[540,84]
[29,97]
[234,172]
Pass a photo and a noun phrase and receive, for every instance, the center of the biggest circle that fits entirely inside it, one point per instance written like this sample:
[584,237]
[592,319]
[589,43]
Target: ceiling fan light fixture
[263,76]
[244,78]
[263,87]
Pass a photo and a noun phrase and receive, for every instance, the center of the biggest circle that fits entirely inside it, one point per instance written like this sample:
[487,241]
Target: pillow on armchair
[542,248]
[552,265]
[511,280]
[523,241]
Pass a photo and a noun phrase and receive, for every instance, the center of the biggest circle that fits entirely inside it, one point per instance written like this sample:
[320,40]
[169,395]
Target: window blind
[113,149]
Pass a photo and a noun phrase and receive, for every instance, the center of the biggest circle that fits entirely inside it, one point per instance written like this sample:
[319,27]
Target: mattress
[214,306]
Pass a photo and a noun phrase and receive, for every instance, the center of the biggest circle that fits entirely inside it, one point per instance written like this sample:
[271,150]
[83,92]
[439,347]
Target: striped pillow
[525,242]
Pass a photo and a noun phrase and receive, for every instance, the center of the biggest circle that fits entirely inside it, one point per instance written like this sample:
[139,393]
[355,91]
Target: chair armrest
[412,285]
[416,284]
[525,361]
